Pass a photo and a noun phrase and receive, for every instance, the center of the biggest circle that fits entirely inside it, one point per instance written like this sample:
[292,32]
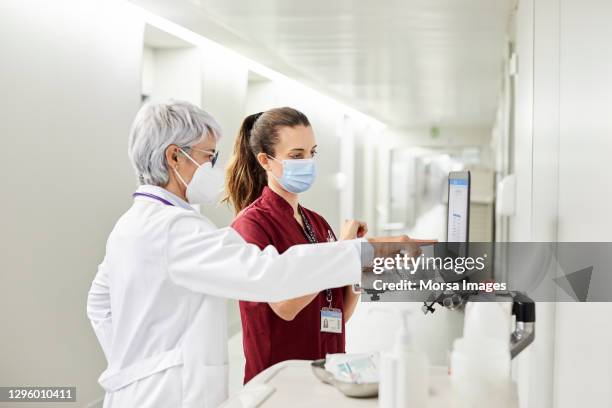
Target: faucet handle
[523,307]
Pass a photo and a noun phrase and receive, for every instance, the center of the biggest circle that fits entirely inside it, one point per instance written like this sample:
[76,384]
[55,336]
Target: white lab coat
[157,303]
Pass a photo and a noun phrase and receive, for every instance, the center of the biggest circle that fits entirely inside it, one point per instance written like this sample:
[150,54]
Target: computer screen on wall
[458,214]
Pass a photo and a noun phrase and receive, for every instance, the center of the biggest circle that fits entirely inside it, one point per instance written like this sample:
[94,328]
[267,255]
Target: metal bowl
[318,368]
[356,390]
[350,389]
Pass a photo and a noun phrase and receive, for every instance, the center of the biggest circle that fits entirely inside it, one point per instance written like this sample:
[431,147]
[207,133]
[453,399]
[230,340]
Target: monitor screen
[458,221]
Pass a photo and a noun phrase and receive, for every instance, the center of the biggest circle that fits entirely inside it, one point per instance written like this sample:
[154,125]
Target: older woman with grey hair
[157,302]
[168,137]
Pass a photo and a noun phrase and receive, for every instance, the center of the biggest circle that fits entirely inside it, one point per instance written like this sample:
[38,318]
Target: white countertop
[292,384]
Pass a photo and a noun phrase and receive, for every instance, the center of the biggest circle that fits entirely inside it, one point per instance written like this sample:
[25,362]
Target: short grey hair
[159,124]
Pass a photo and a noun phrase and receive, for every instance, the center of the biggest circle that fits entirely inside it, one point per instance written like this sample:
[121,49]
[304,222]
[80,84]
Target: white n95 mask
[206,184]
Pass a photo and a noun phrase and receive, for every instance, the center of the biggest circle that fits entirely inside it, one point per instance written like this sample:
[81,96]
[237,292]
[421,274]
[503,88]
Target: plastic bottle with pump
[480,360]
[404,372]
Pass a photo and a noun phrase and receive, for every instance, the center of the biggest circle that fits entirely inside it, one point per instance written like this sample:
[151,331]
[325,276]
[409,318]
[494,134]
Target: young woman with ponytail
[273,163]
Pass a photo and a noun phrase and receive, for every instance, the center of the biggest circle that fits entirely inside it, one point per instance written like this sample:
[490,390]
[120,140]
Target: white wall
[534,162]
[176,74]
[148,71]
[70,86]
[520,224]
[584,336]
[561,149]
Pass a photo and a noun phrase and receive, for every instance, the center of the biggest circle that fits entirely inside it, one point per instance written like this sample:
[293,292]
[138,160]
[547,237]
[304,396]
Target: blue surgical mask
[298,174]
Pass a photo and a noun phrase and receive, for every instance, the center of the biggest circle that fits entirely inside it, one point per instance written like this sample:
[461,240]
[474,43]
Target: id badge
[331,320]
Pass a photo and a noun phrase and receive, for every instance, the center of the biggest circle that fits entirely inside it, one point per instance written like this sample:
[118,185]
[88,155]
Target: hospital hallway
[399,94]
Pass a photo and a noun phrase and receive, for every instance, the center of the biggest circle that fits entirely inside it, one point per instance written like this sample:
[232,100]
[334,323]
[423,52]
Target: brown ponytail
[258,133]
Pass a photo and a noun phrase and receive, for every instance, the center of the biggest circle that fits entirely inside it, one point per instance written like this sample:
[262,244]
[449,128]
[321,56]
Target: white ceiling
[410,63]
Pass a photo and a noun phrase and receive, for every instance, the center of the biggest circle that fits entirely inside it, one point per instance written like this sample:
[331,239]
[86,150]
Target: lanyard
[308,231]
[312,238]
[153,196]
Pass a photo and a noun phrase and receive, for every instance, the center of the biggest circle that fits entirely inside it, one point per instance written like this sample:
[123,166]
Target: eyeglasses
[214,155]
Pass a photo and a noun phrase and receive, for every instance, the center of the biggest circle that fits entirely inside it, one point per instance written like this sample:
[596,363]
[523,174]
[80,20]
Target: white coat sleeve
[220,263]
[99,309]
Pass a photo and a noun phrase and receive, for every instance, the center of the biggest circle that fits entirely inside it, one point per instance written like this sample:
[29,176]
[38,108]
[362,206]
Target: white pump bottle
[404,372]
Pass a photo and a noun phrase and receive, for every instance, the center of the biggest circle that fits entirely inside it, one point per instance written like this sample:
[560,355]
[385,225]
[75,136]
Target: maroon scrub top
[267,338]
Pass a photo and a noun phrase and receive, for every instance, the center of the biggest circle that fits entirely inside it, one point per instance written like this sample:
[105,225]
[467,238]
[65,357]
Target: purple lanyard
[153,197]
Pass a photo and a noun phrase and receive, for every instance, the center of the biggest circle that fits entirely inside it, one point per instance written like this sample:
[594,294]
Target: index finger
[424,241]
